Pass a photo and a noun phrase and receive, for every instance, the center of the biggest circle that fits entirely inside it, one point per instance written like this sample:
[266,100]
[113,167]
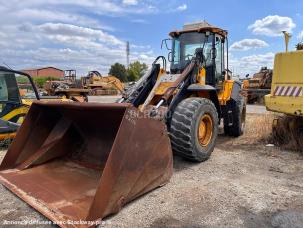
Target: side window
[176,52]
[3,89]
[9,95]
[219,58]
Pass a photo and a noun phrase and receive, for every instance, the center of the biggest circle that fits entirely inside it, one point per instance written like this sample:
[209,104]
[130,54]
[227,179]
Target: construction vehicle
[94,158]
[17,92]
[286,96]
[13,105]
[258,86]
[70,87]
[102,85]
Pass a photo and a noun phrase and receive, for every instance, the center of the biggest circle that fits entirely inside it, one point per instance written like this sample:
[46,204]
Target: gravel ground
[244,184]
[257,109]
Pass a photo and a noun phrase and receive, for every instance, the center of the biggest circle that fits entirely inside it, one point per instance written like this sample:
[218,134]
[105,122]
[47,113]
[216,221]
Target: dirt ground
[245,183]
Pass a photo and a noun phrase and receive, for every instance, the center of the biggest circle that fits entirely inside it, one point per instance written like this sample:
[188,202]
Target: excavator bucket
[82,162]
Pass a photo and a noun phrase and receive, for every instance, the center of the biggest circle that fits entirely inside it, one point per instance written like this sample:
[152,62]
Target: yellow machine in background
[70,87]
[287,85]
[102,85]
[287,94]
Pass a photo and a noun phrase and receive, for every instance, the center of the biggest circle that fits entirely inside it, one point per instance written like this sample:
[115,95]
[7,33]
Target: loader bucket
[84,161]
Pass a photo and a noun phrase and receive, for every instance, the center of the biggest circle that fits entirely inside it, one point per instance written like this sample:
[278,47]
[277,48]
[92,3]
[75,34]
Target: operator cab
[14,87]
[200,36]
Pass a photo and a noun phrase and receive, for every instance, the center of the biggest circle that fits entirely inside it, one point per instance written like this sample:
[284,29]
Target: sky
[91,34]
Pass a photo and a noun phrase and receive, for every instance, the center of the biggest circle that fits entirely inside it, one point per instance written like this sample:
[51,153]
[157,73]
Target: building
[45,72]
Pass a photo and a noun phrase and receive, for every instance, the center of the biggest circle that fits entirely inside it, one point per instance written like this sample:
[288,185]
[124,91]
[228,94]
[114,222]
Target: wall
[45,72]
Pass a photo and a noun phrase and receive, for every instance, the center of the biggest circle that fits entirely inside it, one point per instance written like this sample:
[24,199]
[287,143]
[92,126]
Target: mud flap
[76,162]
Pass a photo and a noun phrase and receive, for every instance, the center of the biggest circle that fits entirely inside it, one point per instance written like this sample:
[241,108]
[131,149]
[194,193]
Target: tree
[40,81]
[118,70]
[136,70]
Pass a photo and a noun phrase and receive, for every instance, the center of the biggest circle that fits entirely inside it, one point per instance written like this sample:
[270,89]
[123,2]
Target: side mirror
[164,41]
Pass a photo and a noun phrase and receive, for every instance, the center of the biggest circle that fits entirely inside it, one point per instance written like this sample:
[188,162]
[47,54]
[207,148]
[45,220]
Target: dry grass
[288,132]
[258,128]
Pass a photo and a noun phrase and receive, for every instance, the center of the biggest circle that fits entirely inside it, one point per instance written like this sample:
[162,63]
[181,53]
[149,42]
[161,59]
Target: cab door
[219,59]
[9,95]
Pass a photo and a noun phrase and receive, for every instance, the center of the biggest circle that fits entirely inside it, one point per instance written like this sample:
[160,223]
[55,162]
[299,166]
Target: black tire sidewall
[237,108]
[204,152]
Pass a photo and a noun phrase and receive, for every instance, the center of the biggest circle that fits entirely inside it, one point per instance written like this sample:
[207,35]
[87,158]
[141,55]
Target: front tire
[194,129]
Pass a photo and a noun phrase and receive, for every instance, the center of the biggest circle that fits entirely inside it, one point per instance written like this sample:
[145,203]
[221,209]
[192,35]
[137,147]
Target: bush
[40,81]
[22,80]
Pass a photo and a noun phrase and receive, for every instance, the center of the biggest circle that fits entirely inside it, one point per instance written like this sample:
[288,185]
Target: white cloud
[247,44]
[272,25]
[66,46]
[130,2]
[68,30]
[139,21]
[71,33]
[181,7]
[102,7]
[250,64]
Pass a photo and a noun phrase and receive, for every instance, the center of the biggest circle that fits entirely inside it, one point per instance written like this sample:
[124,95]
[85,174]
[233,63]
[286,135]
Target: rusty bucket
[75,161]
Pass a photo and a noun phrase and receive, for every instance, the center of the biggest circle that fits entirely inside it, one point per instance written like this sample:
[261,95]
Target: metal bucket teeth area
[76,162]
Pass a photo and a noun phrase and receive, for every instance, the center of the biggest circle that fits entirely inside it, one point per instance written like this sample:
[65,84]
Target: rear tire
[238,109]
[194,129]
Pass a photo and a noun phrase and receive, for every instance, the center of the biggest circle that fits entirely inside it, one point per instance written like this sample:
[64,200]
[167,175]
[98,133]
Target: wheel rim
[205,130]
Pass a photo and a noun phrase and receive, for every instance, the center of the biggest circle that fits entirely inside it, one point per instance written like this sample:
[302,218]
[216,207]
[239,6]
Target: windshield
[185,45]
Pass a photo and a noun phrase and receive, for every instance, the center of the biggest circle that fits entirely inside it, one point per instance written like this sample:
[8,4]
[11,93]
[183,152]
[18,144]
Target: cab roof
[202,26]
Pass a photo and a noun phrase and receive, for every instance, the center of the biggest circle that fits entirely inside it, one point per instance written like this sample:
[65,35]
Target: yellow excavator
[17,92]
[84,161]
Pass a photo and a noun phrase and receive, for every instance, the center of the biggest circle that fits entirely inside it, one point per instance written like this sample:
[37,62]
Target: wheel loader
[85,161]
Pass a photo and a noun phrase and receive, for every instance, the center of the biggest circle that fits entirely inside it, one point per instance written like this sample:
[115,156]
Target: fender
[197,87]
[212,91]
[236,91]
